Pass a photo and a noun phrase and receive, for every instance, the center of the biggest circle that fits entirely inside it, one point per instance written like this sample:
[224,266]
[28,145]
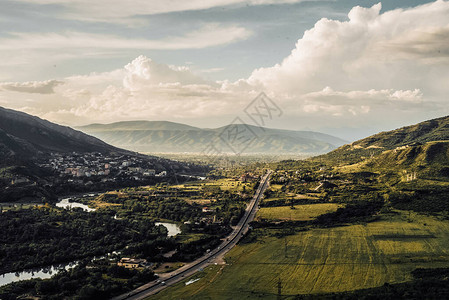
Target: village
[97,164]
[77,167]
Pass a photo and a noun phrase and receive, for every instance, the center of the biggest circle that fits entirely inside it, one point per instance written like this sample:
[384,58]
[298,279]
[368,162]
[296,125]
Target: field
[303,212]
[324,260]
[224,184]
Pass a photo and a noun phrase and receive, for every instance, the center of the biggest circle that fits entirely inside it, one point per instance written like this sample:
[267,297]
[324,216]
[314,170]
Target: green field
[325,260]
[302,212]
[224,184]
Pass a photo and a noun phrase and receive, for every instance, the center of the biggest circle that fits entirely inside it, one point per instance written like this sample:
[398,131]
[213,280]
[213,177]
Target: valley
[224,150]
[347,223]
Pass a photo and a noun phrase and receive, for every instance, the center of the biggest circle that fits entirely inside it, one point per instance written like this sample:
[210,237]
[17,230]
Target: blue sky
[199,62]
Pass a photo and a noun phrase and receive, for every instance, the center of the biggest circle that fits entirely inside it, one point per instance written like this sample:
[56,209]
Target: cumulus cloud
[142,89]
[39,87]
[144,72]
[400,49]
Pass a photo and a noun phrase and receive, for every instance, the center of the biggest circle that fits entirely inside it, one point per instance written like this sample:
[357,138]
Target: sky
[347,68]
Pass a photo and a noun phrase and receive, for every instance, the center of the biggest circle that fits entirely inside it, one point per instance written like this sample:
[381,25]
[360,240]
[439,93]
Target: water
[173,229]
[64,203]
[43,273]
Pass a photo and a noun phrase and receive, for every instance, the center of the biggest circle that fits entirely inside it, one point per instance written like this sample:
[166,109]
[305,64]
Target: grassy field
[275,187]
[324,260]
[303,212]
[224,184]
[197,201]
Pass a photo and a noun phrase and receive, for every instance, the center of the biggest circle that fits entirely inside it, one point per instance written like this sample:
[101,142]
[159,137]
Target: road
[212,257]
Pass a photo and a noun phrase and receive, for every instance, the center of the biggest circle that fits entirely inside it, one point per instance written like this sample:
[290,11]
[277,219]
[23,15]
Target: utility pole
[285,247]
[279,289]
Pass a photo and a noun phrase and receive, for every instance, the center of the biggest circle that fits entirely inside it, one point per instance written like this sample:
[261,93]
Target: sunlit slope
[421,133]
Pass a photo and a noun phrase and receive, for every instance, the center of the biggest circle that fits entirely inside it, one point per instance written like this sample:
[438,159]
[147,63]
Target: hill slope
[26,136]
[427,131]
[430,160]
[162,136]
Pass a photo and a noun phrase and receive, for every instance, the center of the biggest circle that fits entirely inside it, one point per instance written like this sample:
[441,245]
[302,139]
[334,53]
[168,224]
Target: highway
[212,257]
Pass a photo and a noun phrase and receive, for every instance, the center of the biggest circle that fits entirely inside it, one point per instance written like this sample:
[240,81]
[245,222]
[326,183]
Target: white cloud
[28,55]
[145,73]
[399,49]
[143,89]
[207,36]
[39,87]
[385,68]
[121,11]
[354,103]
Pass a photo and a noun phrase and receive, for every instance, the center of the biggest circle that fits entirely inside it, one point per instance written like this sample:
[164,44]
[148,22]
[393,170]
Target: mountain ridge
[165,136]
[22,134]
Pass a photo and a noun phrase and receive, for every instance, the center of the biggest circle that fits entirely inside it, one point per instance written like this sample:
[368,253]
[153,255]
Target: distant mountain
[421,133]
[139,125]
[23,136]
[169,137]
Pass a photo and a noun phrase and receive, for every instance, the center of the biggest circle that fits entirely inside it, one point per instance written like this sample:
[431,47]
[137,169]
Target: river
[173,229]
[64,203]
[47,272]
[34,273]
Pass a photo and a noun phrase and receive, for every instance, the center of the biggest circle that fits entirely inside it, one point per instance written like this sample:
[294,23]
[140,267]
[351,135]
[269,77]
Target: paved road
[213,256]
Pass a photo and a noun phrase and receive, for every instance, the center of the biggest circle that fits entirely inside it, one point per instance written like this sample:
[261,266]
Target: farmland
[324,260]
[303,212]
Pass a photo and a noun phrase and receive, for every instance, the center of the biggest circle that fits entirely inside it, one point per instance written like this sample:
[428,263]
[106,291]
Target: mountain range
[170,137]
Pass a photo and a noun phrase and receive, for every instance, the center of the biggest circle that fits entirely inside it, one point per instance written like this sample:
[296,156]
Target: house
[135,169]
[162,174]
[247,177]
[19,180]
[149,172]
[132,263]
[208,210]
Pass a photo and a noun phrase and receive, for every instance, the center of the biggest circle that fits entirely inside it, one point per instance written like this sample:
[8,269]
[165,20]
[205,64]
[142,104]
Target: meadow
[303,212]
[225,184]
[325,260]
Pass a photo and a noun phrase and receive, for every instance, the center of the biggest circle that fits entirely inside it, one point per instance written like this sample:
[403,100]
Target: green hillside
[432,158]
[427,131]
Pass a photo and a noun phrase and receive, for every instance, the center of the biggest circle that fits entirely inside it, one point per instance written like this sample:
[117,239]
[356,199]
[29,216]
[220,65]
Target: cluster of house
[209,216]
[97,164]
[133,263]
[281,176]
[248,177]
